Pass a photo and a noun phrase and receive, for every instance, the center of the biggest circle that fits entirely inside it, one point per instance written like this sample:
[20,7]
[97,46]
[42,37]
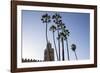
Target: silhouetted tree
[73,47]
[66,32]
[46,19]
[57,19]
[62,36]
[53,29]
[62,41]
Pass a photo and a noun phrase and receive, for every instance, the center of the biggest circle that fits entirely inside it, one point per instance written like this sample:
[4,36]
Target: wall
[5,36]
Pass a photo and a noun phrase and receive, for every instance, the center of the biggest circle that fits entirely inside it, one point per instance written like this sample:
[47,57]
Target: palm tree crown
[45,18]
[73,47]
[53,28]
[62,35]
[57,18]
[66,32]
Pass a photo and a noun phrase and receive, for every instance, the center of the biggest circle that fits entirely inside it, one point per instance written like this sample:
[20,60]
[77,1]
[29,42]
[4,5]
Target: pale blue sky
[33,33]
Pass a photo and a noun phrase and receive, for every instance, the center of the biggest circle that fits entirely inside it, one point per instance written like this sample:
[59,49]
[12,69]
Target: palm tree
[73,47]
[65,35]
[46,19]
[62,41]
[53,29]
[57,19]
[66,32]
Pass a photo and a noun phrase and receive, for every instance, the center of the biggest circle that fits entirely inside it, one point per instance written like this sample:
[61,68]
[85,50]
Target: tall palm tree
[57,19]
[46,19]
[66,32]
[65,35]
[62,41]
[73,47]
[53,29]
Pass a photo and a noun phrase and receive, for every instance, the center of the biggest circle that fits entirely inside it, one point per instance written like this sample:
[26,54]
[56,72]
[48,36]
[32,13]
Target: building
[49,53]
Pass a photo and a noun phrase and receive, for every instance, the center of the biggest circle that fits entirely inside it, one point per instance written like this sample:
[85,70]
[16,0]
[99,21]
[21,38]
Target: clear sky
[33,34]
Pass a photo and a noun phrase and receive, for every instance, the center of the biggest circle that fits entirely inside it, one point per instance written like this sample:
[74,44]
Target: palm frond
[73,47]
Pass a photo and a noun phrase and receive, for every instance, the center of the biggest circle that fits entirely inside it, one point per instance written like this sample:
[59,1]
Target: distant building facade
[49,53]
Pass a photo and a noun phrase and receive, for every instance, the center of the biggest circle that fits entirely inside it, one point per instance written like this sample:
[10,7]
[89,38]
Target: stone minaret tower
[49,53]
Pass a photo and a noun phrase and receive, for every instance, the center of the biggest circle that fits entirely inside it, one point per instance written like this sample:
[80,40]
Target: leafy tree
[66,32]
[53,29]
[46,19]
[57,19]
[62,41]
[73,47]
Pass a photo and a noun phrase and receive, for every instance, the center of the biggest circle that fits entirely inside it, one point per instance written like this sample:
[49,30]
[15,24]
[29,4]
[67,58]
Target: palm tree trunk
[67,49]
[62,40]
[55,45]
[76,55]
[46,34]
[59,45]
[47,42]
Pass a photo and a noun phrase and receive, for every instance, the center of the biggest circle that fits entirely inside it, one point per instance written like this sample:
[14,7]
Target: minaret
[49,53]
